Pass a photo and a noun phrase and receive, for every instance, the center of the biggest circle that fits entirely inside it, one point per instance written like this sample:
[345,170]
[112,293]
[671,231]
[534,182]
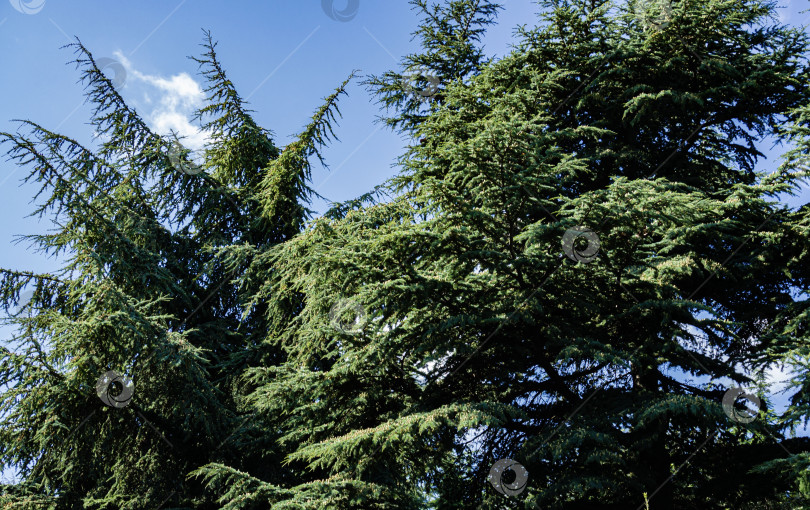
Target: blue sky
[284,56]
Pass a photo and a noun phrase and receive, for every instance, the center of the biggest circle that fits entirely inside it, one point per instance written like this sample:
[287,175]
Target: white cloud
[178,96]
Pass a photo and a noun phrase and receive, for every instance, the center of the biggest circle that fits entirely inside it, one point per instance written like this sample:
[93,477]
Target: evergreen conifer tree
[152,295]
[577,265]
[475,326]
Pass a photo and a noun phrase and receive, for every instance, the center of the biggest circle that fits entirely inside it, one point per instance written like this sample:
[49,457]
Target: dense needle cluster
[480,339]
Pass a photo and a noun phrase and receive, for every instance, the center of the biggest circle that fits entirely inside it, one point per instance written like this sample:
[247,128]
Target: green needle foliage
[481,341]
[153,287]
[580,256]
